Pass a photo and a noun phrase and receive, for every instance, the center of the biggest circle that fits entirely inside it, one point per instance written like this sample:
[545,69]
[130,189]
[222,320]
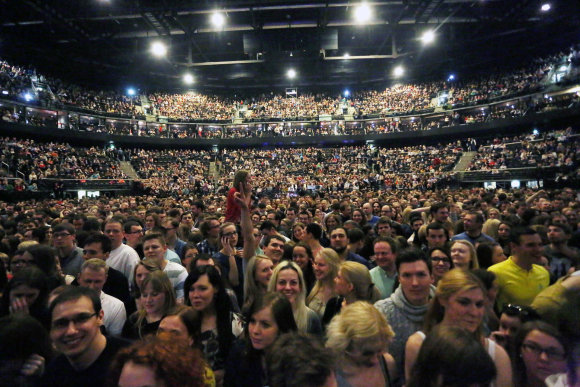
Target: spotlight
[536,132]
[28,97]
[130,91]
[546,7]
[398,71]
[188,79]
[428,37]
[451,78]
[346,93]
[362,13]
[218,19]
[291,74]
[158,49]
[346,55]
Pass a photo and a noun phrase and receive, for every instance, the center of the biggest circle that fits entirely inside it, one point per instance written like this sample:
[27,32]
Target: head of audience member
[459,301]
[190,252]
[559,233]
[473,223]
[452,356]
[439,212]
[43,257]
[441,262]
[387,212]
[436,235]
[358,216]
[169,227]
[157,298]
[158,361]
[288,280]
[64,237]
[298,231]
[82,307]
[415,275]
[210,228]
[96,246]
[93,274]
[206,290]
[384,227]
[300,360]
[155,247]
[331,222]
[313,232]
[268,316]
[26,292]
[133,232]
[183,324]
[540,351]
[354,283]
[302,256]
[152,222]
[142,270]
[489,253]
[359,335]
[511,319]
[385,253]
[274,217]
[113,229]
[274,248]
[463,255]
[339,240]
[526,245]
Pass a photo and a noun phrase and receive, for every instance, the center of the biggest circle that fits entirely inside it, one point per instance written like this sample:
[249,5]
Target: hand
[19,305]
[34,365]
[226,247]
[499,337]
[244,197]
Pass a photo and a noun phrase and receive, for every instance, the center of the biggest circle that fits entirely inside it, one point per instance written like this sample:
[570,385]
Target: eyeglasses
[230,234]
[135,232]
[551,353]
[58,235]
[79,319]
[440,259]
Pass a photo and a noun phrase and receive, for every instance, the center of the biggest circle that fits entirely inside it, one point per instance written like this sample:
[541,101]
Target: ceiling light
[188,79]
[346,55]
[158,49]
[130,91]
[218,19]
[546,7]
[291,73]
[362,13]
[428,37]
[398,71]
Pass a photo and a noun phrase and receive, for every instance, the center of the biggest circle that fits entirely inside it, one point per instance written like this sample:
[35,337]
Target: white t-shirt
[124,259]
[114,314]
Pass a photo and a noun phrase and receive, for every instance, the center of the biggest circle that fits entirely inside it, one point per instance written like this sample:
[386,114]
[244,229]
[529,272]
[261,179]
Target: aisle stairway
[128,169]
[464,161]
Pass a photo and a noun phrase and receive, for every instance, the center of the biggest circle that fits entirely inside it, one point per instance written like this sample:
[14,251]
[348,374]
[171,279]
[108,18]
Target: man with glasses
[121,257]
[133,232]
[85,353]
[69,255]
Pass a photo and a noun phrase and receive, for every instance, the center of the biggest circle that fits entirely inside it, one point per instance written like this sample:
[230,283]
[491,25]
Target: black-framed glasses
[551,353]
[57,235]
[135,232]
[79,319]
[440,259]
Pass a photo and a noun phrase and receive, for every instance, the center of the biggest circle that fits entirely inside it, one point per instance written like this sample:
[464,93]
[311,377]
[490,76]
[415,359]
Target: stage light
[451,78]
[346,55]
[188,79]
[218,19]
[346,93]
[5,92]
[546,7]
[28,97]
[536,132]
[158,49]
[398,71]
[362,13]
[291,74]
[130,91]
[428,37]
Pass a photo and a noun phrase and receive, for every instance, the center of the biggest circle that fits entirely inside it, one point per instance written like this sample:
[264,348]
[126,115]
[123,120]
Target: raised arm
[244,198]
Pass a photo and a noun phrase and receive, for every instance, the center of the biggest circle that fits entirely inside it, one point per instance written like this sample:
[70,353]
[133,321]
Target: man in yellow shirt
[519,278]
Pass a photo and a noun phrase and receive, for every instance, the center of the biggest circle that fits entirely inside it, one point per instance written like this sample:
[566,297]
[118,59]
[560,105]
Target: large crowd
[347,286]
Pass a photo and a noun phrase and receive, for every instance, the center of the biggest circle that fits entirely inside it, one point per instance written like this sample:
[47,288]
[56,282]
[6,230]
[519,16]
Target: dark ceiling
[105,43]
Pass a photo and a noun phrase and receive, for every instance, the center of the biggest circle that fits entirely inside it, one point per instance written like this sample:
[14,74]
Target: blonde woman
[287,279]
[359,336]
[326,265]
[459,301]
[257,278]
[353,283]
[463,255]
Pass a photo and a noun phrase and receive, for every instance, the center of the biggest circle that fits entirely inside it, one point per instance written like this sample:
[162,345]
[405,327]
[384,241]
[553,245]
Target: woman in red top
[233,211]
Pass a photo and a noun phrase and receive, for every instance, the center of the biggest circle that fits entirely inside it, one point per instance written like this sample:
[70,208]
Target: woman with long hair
[451,357]
[440,261]
[302,256]
[207,295]
[353,283]
[359,337]
[326,265]
[257,278]
[157,300]
[190,252]
[459,301]
[463,255]
[489,253]
[503,236]
[44,257]
[298,231]
[540,351]
[269,316]
[288,280]
[142,270]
